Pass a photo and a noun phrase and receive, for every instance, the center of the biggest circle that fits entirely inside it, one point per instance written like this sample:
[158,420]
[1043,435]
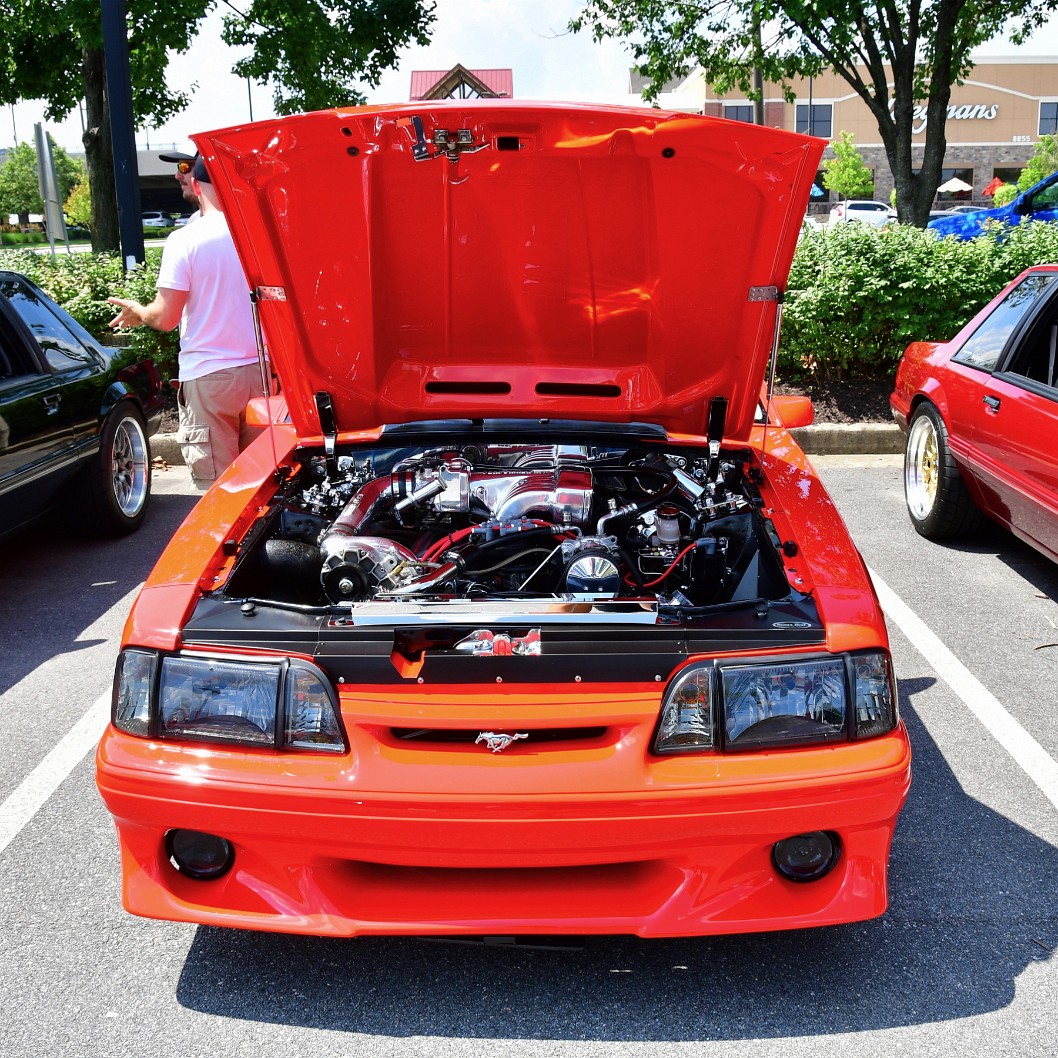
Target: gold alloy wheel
[921,467]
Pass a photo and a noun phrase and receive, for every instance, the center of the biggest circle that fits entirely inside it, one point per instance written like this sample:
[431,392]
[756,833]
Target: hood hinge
[771,293]
[329,428]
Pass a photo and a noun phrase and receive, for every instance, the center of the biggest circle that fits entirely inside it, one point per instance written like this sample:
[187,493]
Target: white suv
[877,214]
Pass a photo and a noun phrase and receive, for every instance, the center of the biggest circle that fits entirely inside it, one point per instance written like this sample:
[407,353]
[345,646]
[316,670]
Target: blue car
[1040,202]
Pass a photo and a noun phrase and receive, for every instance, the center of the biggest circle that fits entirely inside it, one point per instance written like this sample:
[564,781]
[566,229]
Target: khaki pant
[213,429]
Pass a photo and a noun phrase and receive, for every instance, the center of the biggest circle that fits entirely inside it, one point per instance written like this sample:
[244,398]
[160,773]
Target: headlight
[768,704]
[218,701]
[280,705]
[786,704]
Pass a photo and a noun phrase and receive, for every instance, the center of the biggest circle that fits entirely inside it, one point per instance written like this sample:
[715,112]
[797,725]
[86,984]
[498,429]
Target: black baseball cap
[200,173]
[177,156]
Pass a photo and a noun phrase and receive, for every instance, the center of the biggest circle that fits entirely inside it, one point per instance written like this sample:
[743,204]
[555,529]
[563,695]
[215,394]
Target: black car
[74,417]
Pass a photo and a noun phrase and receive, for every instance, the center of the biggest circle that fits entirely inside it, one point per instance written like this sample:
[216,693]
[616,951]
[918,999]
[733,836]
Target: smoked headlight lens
[281,705]
[218,701]
[793,702]
[787,704]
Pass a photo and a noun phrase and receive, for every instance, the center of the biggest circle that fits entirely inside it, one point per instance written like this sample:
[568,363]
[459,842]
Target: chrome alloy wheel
[921,467]
[128,462]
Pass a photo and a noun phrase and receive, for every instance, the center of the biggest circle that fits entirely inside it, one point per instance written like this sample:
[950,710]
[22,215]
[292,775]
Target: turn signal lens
[133,682]
[311,722]
[686,723]
[875,695]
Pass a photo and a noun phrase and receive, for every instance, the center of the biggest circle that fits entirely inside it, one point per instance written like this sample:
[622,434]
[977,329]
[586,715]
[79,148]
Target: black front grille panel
[470,737]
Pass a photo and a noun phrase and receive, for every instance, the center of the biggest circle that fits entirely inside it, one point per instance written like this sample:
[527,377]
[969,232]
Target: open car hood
[601,263]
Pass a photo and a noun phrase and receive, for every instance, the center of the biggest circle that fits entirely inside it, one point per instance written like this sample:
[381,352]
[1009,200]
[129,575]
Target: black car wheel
[120,480]
[937,500]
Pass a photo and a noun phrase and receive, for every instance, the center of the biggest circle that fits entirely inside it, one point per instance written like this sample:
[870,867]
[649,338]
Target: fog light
[199,855]
[806,857]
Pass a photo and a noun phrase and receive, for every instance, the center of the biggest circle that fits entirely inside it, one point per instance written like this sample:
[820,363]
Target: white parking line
[26,799]
[1028,754]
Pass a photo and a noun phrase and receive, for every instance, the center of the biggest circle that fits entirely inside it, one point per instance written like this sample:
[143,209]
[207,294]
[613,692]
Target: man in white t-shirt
[201,287]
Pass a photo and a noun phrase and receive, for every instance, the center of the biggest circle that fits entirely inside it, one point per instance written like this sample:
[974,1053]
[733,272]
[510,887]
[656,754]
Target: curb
[852,439]
[857,438]
[164,446]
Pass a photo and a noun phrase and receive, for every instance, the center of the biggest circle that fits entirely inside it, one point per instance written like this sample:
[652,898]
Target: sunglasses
[183,168]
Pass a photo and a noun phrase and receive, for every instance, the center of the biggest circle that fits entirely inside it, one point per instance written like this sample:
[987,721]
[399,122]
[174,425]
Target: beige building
[994,118]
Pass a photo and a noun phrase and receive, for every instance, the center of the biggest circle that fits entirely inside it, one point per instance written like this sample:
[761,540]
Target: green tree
[846,173]
[1043,162]
[20,185]
[316,53]
[313,53]
[78,205]
[900,58]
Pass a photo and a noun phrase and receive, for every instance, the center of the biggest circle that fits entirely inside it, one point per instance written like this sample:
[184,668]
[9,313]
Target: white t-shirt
[216,328]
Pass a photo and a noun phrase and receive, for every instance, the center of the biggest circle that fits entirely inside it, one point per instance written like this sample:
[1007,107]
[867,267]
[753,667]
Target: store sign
[956,112]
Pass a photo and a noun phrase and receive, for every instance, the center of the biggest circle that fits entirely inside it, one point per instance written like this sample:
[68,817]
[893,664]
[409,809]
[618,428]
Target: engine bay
[680,529]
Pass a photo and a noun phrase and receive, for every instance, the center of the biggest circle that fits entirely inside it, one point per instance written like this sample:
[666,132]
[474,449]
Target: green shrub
[857,297]
[1005,193]
[22,238]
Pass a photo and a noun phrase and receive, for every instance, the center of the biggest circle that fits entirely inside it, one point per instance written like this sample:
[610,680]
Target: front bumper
[475,850]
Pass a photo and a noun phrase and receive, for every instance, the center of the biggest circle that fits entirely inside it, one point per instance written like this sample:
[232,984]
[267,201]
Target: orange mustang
[522,616]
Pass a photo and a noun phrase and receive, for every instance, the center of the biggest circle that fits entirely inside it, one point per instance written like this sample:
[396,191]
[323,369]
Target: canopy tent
[953,185]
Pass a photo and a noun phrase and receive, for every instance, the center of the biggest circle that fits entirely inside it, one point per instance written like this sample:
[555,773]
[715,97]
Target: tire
[119,483]
[937,499]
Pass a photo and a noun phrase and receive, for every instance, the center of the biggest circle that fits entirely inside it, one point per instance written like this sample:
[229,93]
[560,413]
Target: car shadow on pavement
[56,581]
[972,906]
[1021,558]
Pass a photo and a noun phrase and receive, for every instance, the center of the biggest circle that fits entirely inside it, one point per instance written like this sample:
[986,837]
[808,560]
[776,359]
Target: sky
[529,36]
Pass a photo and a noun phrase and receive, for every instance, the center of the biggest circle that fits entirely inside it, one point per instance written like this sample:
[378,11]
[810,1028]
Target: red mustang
[522,616]
[981,417]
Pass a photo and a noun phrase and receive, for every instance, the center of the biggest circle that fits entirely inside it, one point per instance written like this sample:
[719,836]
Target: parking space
[962,963]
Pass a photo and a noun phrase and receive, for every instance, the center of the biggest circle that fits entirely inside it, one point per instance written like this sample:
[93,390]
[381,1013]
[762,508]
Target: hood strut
[329,428]
[776,295]
[715,433]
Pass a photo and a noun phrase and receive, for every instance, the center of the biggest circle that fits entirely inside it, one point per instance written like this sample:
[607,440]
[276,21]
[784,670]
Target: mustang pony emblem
[497,742]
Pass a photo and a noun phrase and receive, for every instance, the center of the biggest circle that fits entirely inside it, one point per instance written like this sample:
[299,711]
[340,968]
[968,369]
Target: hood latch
[446,144]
